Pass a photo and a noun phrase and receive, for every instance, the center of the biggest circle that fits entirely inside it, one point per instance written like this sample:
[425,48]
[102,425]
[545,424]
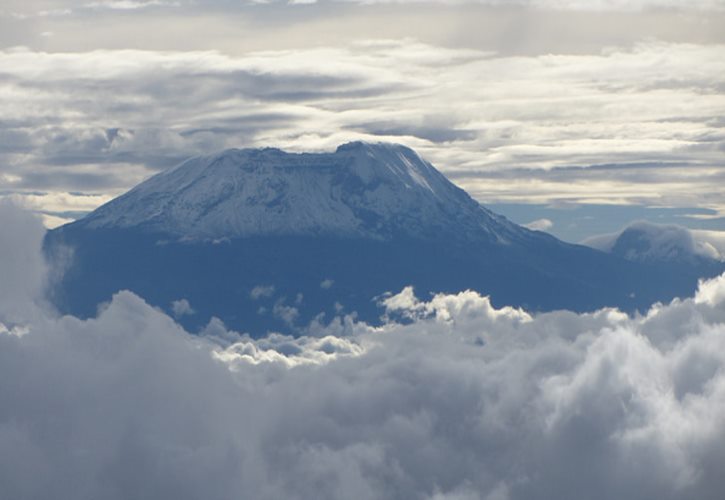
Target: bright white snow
[646,241]
[361,189]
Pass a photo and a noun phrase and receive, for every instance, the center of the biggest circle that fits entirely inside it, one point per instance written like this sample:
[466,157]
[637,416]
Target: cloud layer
[44,8]
[451,398]
[638,124]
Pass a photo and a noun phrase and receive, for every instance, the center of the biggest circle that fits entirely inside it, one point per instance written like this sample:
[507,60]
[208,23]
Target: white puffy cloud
[457,400]
[285,312]
[326,284]
[262,291]
[181,307]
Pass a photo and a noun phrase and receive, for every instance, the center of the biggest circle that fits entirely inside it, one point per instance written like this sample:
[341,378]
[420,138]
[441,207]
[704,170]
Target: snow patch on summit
[360,190]
[647,242]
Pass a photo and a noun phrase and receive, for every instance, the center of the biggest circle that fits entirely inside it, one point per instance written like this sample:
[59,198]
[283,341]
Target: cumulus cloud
[262,291]
[181,307]
[285,312]
[458,399]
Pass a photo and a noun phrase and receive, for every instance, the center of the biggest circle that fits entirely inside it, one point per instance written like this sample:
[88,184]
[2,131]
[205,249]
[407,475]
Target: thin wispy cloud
[68,7]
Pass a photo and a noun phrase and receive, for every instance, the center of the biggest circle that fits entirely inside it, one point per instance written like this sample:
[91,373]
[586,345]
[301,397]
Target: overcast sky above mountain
[611,105]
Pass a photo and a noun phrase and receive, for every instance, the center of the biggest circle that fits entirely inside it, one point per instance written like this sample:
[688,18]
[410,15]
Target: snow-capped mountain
[644,241]
[360,190]
[269,240]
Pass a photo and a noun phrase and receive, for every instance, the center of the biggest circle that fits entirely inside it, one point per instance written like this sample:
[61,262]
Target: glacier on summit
[361,190]
[648,242]
[367,220]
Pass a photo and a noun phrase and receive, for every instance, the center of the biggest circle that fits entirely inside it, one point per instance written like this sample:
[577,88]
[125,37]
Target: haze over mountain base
[464,401]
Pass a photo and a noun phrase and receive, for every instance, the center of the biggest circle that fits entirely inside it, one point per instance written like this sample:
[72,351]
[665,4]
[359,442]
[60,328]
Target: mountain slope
[365,190]
[265,239]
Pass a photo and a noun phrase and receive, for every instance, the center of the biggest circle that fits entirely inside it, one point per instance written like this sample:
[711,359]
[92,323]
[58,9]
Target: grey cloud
[246,124]
[179,78]
[700,175]
[285,312]
[489,121]
[116,127]
[302,87]
[67,7]
[73,215]
[126,5]
[431,133]
[181,307]
[560,173]
[196,88]
[14,140]
[22,268]
[261,291]
[238,27]
[462,401]
[54,180]
[535,408]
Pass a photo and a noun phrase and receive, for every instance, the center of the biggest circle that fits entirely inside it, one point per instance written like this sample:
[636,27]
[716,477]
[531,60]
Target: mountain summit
[644,241]
[269,240]
[361,190]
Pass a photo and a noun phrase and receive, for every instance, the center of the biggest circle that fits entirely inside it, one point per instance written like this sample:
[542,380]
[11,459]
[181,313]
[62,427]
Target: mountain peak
[371,190]
[391,162]
[369,218]
[643,241]
[370,147]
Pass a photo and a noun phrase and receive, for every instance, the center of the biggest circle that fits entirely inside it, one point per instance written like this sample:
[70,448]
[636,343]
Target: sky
[576,117]
[572,116]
